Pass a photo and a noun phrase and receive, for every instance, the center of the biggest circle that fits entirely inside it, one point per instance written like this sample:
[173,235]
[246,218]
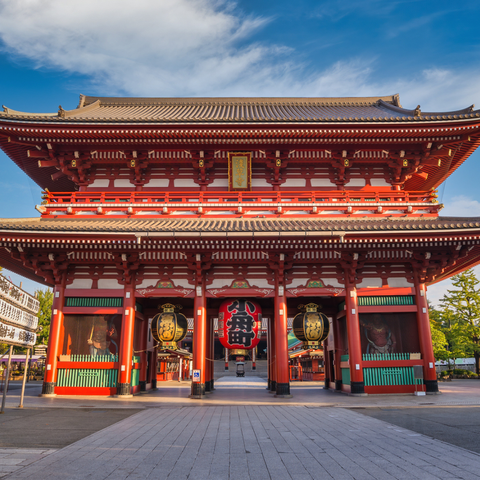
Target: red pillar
[212,356]
[208,355]
[425,338]
[281,343]
[199,340]
[272,356]
[48,387]
[154,367]
[339,349]
[126,341]
[143,356]
[357,385]
[326,365]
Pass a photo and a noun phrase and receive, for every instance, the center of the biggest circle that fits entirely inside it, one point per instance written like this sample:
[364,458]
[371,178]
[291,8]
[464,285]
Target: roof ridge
[331,101]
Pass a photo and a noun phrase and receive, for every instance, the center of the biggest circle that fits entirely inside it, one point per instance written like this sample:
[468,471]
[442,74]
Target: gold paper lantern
[169,327]
[311,327]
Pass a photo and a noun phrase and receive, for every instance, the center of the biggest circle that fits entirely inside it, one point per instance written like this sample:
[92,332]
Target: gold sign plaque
[239,171]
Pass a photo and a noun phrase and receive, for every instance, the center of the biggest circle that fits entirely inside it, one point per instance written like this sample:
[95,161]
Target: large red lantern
[239,323]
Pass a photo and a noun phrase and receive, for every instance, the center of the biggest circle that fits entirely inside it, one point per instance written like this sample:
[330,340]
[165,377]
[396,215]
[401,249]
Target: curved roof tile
[234,110]
[133,226]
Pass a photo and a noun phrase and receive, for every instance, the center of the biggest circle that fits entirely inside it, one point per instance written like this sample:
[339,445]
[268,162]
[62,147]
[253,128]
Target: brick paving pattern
[13,459]
[251,442]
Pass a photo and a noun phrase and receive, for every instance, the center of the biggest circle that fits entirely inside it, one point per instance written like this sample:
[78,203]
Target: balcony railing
[227,204]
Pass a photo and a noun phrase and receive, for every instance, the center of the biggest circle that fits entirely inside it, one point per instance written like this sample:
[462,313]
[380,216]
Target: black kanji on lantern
[241,323]
[239,337]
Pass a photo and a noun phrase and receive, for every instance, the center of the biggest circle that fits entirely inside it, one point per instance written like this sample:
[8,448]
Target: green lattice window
[382,300]
[94,301]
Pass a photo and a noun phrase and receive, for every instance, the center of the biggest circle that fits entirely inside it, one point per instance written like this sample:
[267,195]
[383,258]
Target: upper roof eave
[291,110]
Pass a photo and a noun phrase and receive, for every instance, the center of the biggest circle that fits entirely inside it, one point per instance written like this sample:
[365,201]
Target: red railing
[237,203]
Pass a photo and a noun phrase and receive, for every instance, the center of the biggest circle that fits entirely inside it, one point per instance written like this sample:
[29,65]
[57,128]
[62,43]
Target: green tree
[461,317]
[439,341]
[45,297]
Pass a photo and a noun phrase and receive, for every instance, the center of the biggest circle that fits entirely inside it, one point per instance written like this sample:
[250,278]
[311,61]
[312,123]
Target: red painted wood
[126,339]
[281,341]
[338,349]
[392,389]
[92,310]
[391,363]
[96,365]
[353,329]
[143,353]
[208,350]
[94,292]
[103,391]
[117,204]
[374,292]
[200,333]
[55,332]
[387,308]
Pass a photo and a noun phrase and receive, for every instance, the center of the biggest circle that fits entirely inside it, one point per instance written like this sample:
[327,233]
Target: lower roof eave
[319,233]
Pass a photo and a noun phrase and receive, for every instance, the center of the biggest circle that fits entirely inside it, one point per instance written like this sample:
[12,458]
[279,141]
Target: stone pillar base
[338,385]
[283,390]
[123,389]
[326,383]
[198,390]
[273,386]
[431,386]
[143,386]
[154,383]
[357,388]
[48,388]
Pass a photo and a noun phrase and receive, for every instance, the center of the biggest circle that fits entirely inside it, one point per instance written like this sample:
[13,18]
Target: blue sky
[53,50]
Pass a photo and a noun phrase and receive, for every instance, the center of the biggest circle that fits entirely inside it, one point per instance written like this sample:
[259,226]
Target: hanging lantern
[169,327]
[311,327]
[239,324]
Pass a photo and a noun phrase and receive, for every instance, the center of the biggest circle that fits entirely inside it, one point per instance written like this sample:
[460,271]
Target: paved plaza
[226,437]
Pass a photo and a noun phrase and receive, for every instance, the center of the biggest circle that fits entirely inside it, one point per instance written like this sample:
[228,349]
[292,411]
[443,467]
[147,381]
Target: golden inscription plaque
[239,171]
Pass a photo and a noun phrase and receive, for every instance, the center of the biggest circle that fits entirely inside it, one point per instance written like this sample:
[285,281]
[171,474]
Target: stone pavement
[252,442]
[13,459]
[457,392]
[242,432]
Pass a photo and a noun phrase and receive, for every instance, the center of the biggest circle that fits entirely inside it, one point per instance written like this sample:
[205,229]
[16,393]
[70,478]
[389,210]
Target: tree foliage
[45,297]
[458,318]
[439,341]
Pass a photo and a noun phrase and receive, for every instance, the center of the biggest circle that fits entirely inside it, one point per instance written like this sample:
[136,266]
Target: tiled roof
[237,226]
[240,110]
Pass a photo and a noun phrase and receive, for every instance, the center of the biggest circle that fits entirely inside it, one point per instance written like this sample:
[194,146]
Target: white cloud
[199,48]
[461,206]
[145,47]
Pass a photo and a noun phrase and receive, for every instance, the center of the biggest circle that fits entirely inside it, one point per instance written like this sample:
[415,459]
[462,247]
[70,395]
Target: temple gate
[278,201]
